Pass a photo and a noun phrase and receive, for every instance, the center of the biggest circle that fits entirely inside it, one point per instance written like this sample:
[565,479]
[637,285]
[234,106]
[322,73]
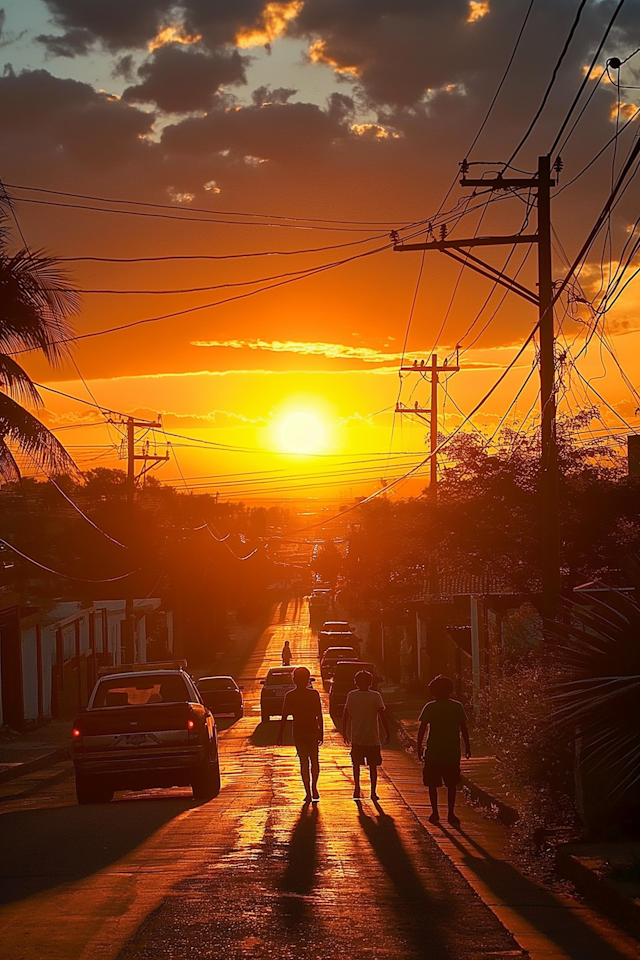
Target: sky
[254,132]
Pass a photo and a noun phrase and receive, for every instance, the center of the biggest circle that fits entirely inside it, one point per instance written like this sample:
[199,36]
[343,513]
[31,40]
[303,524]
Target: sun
[301,432]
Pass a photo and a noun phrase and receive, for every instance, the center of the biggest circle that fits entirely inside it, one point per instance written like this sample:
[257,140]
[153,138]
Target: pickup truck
[145,728]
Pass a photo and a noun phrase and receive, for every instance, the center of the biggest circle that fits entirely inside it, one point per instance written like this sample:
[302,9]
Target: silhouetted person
[364,710]
[286,654]
[305,706]
[446,720]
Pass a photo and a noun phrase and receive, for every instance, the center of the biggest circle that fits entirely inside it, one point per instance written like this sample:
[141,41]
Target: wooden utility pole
[128,654]
[432,370]
[543,299]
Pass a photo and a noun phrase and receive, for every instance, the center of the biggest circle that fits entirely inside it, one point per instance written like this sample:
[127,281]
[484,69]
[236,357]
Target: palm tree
[36,302]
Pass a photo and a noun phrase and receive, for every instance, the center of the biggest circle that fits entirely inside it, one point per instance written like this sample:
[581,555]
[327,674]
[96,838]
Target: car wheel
[206,785]
[89,790]
[239,714]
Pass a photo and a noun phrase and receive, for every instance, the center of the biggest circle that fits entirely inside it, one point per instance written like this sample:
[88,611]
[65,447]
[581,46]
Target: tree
[36,302]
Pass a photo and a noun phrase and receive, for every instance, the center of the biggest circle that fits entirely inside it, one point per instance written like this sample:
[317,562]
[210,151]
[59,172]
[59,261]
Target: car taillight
[190,724]
[76,733]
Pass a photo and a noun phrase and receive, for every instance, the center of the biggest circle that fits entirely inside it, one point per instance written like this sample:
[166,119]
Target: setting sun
[301,432]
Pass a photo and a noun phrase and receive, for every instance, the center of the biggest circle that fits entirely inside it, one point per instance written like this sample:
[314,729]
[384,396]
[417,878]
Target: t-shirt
[364,707]
[444,718]
[304,706]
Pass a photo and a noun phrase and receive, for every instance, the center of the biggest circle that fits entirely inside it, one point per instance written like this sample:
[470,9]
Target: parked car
[275,687]
[221,695]
[343,683]
[339,625]
[319,607]
[145,727]
[332,656]
[336,638]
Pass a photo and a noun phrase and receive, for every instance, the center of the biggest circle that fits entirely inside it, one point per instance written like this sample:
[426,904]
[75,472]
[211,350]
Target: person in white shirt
[364,712]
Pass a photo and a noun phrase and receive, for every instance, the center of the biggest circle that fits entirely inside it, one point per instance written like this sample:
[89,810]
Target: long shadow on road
[421,914]
[534,904]
[40,849]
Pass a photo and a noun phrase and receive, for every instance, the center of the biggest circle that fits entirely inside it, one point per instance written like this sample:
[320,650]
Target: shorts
[437,774]
[307,748]
[361,754]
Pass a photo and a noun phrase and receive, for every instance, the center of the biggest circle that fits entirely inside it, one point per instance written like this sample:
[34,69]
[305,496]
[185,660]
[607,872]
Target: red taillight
[190,724]
[77,733]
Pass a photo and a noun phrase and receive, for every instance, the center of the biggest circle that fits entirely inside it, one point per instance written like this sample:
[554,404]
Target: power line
[225,213]
[587,75]
[554,75]
[504,77]
[66,576]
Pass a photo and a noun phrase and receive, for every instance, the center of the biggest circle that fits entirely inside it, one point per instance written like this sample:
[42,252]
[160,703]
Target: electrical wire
[551,84]
[58,573]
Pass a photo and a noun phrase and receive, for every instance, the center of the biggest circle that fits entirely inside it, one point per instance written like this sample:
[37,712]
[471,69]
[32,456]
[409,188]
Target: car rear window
[344,653]
[138,691]
[274,678]
[215,683]
[347,671]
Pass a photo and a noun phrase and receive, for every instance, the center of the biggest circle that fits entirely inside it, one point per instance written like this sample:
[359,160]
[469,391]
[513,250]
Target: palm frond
[9,470]
[597,695]
[18,382]
[36,301]
[19,426]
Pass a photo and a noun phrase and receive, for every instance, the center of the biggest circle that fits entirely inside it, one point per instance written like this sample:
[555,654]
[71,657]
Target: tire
[206,785]
[239,714]
[89,790]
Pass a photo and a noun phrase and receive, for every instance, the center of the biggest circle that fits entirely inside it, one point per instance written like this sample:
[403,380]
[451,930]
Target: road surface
[257,874]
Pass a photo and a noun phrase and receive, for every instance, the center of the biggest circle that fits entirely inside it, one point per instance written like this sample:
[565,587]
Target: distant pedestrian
[446,720]
[305,706]
[364,711]
[286,654]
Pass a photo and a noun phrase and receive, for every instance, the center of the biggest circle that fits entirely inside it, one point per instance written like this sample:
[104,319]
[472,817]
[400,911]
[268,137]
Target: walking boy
[446,720]
[305,706]
[365,711]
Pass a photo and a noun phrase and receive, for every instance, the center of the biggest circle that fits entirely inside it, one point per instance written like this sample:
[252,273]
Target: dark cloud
[57,121]
[181,79]
[264,95]
[74,43]
[286,133]
[124,68]
[118,24]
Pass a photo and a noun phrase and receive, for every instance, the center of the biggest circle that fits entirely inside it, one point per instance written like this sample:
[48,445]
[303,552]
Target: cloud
[118,24]
[68,121]
[272,23]
[181,79]
[74,43]
[334,351]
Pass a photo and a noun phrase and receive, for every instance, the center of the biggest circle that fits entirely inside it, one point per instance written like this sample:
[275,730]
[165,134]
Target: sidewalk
[34,750]
[607,875]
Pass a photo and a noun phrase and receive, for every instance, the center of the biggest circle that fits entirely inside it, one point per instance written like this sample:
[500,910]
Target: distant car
[343,682]
[275,687]
[332,656]
[221,695]
[336,638]
[145,726]
[319,607]
[339,625]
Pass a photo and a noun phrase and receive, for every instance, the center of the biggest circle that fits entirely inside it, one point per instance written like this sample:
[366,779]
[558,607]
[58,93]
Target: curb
[30,766]
[599,891]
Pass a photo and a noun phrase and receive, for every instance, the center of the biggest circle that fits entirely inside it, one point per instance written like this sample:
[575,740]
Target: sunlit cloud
[318,54]
[179,196]
[477,10]
[373,130]
[273,23]
[319,349]
[176,33]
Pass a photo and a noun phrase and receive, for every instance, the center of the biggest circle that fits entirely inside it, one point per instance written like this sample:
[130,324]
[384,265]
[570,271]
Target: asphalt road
[257,874]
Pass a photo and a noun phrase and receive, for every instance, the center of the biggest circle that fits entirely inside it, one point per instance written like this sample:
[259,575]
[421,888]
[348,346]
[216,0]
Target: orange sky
[331,119]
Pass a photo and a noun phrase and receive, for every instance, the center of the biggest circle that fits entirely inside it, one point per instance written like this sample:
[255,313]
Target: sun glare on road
[301,433]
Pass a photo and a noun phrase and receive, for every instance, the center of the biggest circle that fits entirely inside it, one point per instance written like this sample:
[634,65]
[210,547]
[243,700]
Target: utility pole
[128,654]
[433,370]
[548,479]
